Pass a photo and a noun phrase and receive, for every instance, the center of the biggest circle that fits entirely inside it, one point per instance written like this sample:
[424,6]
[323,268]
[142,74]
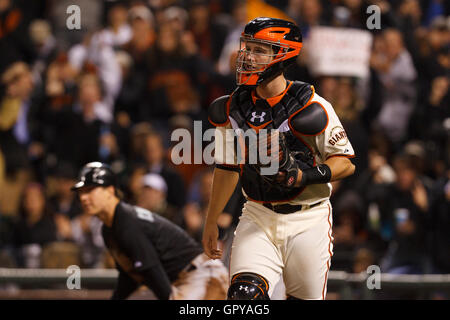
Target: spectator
[410,14]
[20,133]
[63,201]
[195,210]
[417,153]
[379,171]
[407,204]
[143,30]
[439,226]
[138,134]
[176,18]
[348,105]
[89,99]
[155,162]
[134,183]
[77,131]
[92,53]
[430,49]
[86,233]
[428,123]
[118,32]
[35,226]
[228,56]
[172,88]
[327,88]
[193,157]
[348,231]
[363,259]
[153,197]
[208,35]
[21,124]
[132,94]
[15,44]
[351,14]
[307,14]
[44,45]
[397,75]
[60,83]
[372,186]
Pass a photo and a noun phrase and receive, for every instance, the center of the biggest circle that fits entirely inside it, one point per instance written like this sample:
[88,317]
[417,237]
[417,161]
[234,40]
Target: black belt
[286,208]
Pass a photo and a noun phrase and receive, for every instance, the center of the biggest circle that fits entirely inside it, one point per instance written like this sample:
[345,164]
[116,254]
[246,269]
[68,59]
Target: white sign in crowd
[339,52]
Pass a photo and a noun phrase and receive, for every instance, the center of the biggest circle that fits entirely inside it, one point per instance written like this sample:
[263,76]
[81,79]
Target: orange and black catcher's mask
[284,40]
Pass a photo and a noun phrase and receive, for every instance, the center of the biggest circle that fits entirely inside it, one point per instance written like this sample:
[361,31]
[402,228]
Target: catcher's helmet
[95,174]
[285,40]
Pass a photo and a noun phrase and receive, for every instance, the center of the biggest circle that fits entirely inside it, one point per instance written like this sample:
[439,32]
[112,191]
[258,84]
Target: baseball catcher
[285,227]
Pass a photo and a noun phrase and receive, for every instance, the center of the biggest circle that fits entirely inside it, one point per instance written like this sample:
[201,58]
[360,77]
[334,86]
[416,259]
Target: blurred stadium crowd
[116,89]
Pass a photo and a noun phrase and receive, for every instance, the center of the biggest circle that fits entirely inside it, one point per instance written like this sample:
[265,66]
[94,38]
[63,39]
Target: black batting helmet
[95,174]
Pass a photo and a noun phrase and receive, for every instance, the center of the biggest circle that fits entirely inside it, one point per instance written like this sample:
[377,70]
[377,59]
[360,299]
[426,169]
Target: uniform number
[144,214]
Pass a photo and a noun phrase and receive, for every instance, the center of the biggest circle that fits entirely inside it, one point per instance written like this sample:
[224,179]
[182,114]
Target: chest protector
[246,115]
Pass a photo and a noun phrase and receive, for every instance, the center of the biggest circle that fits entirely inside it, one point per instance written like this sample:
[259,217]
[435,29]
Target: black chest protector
[249,115]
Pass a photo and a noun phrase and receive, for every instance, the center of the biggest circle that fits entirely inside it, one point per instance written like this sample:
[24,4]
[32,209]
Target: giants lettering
[338,136]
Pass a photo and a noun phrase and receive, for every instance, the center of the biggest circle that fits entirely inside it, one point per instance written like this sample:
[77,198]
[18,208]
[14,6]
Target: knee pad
[248,286]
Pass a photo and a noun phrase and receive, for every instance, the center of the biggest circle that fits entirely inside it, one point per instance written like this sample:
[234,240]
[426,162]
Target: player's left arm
[319,127]
[340,167]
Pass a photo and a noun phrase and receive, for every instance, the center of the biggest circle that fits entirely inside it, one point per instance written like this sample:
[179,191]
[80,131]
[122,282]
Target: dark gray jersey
[142,242]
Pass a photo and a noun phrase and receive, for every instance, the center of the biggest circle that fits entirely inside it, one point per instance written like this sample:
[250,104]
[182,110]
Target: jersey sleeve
[136,245]
[144,256]
[333,141]
[225,155]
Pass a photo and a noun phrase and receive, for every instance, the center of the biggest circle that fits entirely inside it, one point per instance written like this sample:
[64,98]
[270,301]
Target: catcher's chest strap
[247,111]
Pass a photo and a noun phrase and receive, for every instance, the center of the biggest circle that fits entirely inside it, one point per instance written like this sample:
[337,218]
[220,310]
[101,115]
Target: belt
[288,208]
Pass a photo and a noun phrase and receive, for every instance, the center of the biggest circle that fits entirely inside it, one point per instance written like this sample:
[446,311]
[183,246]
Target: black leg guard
[248,286]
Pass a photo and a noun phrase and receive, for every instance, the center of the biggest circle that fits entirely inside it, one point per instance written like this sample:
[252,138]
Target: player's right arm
[226,173]
[145,261]
[224,183]
[125,285]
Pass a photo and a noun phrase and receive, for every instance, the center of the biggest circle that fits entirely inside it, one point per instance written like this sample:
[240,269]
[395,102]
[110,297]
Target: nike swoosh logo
[322,173]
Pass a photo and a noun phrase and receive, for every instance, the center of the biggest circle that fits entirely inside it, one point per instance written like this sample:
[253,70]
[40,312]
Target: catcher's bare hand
[209,241]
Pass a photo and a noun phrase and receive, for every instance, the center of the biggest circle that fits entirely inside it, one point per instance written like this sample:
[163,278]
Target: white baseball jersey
[331,142]
[299,245]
